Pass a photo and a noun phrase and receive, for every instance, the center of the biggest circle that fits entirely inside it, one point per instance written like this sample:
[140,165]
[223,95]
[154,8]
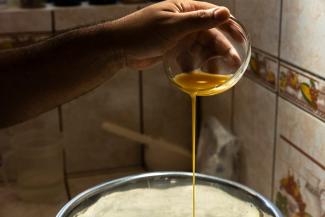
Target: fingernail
[235,56]
[221,13]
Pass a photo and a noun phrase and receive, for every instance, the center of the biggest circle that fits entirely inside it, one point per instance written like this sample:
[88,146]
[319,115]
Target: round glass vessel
[210,61]
[139,187]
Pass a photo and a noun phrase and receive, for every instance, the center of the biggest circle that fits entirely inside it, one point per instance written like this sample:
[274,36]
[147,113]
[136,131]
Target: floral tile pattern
[305,90]
[263,69]
[299,182]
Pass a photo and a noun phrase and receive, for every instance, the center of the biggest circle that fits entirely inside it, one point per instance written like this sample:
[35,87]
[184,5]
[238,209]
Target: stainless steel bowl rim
[74,202]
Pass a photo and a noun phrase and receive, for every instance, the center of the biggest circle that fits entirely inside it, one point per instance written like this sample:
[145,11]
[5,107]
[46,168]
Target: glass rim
[238,73]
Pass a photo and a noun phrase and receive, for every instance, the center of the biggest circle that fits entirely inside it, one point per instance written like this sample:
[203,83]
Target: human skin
[37,78]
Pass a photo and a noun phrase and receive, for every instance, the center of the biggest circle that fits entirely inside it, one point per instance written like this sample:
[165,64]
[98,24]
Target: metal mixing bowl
[163,180]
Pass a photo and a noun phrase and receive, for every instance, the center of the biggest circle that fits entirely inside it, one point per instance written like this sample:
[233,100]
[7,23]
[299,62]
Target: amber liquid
[199,83]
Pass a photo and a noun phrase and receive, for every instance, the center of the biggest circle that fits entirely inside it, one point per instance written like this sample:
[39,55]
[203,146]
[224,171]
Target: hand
[147,34]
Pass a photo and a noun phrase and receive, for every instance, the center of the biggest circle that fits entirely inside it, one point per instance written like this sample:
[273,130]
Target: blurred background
[276,112]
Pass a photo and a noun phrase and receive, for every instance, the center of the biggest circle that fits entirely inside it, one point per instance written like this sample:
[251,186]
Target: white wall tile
[44,126]
[25,21]
[219,106]
[303,34]
[167,115]
[254,120]
[262,20]
[88,146]
[306,131]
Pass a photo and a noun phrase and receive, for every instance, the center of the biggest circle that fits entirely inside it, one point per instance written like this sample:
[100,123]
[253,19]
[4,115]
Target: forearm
[38,78]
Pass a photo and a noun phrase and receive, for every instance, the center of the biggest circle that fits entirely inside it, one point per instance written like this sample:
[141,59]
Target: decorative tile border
[302,89]
[263,69]
[8,41]
[300,186]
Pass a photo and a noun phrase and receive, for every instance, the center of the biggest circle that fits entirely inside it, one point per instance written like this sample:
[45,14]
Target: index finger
[233,29]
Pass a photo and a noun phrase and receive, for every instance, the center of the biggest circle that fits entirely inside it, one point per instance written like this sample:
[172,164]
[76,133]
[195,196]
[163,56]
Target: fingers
[202,19]
[196,5]
[212,43]
[232,28]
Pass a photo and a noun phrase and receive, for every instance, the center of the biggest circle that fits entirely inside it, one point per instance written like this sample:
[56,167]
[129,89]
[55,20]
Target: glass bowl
[218,58]
[143,205]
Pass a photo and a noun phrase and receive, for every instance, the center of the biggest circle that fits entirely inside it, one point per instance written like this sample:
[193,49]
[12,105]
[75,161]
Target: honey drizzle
[198,83]
[193,99]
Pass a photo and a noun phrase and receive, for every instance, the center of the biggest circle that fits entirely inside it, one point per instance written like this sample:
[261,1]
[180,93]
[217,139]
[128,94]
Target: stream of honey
[198,83]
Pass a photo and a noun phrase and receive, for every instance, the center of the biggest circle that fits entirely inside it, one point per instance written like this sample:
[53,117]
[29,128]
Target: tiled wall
[91,154]
[278,108]
[131,99]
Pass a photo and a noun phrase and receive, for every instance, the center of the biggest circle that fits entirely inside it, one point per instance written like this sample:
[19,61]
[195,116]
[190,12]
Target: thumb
[202,19]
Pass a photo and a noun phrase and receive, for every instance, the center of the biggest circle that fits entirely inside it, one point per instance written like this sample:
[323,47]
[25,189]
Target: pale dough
[171,202]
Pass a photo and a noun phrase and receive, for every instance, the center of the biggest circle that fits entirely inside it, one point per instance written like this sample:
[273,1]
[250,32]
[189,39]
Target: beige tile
[88,146]
[296,173]
[11,206]
[219,106]
[303,34]
[306,131]
[25,21]
[44,126]
[254,120]
[82,183]
[262,19]
[167,115]
[67,18]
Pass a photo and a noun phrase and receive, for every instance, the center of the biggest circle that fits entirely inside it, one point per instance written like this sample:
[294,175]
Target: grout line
[303,152]
[260,83]
[60,118]
[266,53]
[65,178]
[302,69]
[274,144]
[53,22]
[143,163]
[276,106]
